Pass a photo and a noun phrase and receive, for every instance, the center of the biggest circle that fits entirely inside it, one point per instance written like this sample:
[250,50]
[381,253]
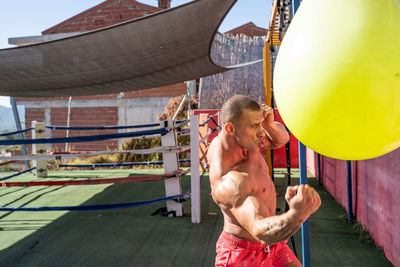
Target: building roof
[249,29]
[105,14]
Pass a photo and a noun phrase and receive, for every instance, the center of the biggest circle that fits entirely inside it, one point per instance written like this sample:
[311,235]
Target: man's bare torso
[257,182]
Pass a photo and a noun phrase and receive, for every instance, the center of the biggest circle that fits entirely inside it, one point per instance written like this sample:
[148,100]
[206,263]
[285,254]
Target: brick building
[249,29]
[128,108]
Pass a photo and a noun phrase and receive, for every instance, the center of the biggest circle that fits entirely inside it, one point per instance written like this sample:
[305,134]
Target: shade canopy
[164,48]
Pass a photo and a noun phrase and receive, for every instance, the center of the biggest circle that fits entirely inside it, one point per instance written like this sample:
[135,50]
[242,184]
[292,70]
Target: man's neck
[233,153]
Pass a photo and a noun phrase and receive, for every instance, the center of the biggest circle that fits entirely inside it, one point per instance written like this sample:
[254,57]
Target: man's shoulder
[234,184]
[238,175]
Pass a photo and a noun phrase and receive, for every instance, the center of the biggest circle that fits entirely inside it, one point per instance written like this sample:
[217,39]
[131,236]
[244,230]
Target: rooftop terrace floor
[132,237]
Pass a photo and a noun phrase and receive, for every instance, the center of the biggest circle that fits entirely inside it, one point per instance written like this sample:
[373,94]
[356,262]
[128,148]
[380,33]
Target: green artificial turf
[132,237]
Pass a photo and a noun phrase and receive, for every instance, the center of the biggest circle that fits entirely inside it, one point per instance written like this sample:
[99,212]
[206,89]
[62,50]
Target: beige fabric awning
[160,49]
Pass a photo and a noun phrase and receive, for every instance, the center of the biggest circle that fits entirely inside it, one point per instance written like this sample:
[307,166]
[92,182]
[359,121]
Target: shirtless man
[253,234]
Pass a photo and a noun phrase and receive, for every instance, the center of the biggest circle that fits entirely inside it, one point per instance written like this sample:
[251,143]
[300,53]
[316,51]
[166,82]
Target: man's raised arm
[276,134]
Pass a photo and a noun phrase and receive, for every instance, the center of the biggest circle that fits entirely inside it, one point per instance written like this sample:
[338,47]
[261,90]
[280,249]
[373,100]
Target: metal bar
[303,180]
[319,169]
[194,166]
[349,192]
[68,122]
[179,108]
[305,234]
[295,5]
[268,98]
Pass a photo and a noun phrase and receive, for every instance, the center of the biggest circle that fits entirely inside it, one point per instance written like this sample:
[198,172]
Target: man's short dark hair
[233,108]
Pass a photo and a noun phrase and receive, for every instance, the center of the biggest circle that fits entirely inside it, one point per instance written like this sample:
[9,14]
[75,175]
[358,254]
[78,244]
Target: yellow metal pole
[268,92]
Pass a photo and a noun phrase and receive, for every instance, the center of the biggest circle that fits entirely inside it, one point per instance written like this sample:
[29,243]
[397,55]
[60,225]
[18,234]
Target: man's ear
[229,128]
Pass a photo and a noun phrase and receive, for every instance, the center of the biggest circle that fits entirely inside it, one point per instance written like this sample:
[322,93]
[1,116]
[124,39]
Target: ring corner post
[194,167]
[171,164]
[39,132]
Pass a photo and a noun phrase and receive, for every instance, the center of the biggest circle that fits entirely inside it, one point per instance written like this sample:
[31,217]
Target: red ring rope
[133,179]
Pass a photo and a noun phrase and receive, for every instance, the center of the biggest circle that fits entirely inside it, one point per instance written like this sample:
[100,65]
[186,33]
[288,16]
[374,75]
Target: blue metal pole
[305,233]
[303,180]
[319,170]
[349,192]
[295,5]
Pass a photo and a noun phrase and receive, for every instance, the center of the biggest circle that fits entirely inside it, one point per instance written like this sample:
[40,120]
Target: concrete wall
[376,194]
[93,112]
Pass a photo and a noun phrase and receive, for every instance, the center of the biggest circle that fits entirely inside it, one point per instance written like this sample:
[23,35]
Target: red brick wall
[97,116]
[164,4]
[249,29]
[32,114]
[106,14]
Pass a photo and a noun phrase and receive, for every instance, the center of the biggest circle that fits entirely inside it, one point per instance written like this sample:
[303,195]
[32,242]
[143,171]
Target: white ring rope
[175,149]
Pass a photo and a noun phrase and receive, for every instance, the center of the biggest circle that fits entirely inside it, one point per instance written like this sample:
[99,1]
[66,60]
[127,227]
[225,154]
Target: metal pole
[303,180]
[200,91]
[179,108]
[319,170]
[305,233]
[68,121]
[194,167]
[296,5]
[349,192]
[18,124]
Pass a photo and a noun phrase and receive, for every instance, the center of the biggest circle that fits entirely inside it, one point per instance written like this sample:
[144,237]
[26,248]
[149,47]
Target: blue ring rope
[16,174]
[16,132]
[95,207]
[118,164]
[204,123]
[86,138]
[71,128]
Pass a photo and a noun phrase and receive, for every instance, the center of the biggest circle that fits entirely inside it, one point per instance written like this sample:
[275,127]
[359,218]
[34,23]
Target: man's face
[249,132]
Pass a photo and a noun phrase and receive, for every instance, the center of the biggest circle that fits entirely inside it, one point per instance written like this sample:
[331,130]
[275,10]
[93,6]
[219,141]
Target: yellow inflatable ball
[337,77]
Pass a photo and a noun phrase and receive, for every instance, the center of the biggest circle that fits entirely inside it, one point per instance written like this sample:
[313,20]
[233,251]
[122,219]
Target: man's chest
[262,186]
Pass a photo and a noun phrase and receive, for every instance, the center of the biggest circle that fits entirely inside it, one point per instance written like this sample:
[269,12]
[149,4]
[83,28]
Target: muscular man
[253,234]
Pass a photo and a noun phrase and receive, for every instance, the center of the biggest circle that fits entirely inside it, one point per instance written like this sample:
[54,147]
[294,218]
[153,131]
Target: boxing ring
[168,130]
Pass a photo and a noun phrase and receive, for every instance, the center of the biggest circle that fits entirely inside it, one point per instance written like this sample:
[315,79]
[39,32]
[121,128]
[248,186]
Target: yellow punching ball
[337,77]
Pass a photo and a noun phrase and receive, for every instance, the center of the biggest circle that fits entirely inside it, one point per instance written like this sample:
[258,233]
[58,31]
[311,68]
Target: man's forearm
[275,229]
[277,133]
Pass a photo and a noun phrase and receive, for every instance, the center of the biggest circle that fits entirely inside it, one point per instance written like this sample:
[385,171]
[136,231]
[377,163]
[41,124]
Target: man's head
[242,119]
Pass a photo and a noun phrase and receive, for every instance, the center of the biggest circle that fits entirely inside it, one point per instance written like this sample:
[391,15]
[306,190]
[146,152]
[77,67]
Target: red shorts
[233,251]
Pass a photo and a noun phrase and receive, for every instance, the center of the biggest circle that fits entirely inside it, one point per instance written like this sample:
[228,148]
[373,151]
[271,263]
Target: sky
[19,18]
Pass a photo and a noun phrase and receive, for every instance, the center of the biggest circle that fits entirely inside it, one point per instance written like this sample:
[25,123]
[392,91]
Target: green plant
[147,143]
[363,234]
[140,143]
[7,168]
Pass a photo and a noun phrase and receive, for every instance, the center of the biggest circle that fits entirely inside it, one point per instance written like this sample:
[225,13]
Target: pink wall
[376,196]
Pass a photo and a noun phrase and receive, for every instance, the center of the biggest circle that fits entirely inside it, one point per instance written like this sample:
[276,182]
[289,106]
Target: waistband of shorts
[241,243]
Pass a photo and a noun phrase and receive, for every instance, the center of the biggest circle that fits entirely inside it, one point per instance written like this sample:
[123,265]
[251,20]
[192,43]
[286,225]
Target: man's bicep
[247,212]
[231,191]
